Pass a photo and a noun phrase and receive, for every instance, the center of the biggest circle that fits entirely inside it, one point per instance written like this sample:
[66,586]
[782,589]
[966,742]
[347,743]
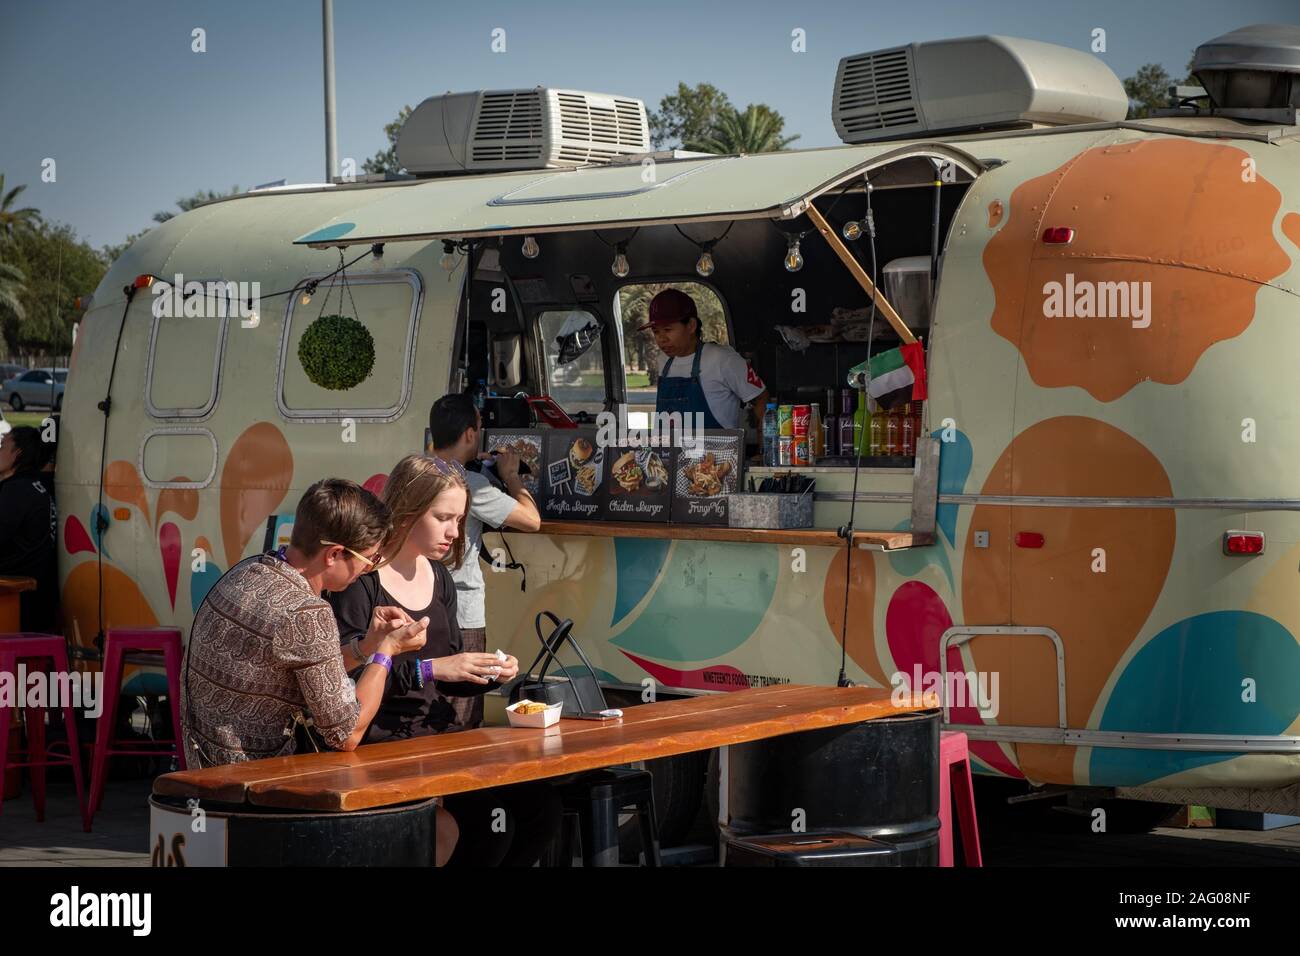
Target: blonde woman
[427,497]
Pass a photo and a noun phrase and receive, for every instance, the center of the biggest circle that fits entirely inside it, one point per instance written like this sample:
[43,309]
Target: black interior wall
[750,278]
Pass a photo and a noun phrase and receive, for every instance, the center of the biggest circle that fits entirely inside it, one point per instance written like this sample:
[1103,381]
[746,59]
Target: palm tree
[14,221]
[12,282]
[757,130]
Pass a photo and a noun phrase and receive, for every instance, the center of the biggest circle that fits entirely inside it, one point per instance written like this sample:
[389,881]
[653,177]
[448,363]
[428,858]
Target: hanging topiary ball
[337,352]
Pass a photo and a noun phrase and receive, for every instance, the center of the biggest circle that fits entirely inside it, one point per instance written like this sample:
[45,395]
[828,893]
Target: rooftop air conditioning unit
[969,84]
[1253,68]
[541,128]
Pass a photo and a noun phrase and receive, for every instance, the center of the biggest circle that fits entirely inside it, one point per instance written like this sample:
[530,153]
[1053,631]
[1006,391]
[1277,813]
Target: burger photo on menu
[707,471]
[638,483]
[527,444]
[573,473]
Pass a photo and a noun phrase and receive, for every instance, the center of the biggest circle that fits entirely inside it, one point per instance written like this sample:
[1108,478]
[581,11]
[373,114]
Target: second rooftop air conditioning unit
[971,84]
[541,128]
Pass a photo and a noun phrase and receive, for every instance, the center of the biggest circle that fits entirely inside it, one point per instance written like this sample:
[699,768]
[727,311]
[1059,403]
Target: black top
[28,525]
[409,710]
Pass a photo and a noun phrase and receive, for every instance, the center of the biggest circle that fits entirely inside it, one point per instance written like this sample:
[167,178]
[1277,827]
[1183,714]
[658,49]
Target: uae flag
[898,376]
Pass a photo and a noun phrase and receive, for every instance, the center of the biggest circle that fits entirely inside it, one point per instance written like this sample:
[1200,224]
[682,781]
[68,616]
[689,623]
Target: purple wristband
[382,659]
[426,672]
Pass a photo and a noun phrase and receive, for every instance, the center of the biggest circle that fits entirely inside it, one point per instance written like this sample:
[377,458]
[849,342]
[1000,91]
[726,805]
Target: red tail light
[1243,543]
[1029,539]
[1058,236]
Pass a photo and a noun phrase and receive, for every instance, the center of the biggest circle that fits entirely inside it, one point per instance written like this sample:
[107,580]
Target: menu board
[573,475]
[705,472]
[638,483]
[527,444]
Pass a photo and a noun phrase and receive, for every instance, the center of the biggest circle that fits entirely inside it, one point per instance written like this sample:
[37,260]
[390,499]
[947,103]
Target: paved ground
[120,838]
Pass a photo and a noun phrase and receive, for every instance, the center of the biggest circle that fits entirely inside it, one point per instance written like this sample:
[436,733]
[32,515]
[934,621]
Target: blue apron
[685,395]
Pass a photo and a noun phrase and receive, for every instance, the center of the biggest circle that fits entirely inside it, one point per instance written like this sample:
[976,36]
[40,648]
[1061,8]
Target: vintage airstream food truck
[1100,532]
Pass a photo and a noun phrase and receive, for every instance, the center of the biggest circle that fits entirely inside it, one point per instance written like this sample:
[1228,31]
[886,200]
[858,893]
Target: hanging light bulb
[704,264]
[620,267]
[530,248]
[852,230]
[793,258]
[305,298]
[448,260]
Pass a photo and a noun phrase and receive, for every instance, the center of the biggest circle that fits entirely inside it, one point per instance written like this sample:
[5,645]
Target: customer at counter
[455,424]
[699,377]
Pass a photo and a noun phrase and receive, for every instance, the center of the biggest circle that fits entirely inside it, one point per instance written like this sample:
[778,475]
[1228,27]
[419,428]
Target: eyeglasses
[371,563]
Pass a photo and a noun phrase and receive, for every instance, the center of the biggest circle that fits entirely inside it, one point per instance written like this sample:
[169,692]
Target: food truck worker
[696,376]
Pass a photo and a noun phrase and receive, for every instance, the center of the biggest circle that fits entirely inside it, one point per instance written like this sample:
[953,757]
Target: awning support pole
[832,238]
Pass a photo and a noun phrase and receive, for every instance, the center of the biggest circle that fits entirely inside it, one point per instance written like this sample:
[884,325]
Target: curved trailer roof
[764,185]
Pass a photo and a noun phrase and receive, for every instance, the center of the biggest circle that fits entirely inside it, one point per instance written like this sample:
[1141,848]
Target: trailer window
[641,357]
[577,385]
[186,338]
[386,305]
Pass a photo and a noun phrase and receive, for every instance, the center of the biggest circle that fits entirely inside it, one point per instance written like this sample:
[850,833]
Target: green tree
[1148,89]
[12,284]
[58,267]
[689,114]
[191,202]
[385,161]
[14,221]
[757,130]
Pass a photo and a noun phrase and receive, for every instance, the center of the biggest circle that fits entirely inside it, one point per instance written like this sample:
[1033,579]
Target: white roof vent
[1256,67]
[971,83]
[541,128]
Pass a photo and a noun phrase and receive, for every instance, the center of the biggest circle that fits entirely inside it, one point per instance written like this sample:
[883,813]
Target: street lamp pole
[331,134]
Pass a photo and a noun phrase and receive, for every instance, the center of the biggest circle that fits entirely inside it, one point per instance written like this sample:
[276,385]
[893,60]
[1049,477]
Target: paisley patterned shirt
[263,648]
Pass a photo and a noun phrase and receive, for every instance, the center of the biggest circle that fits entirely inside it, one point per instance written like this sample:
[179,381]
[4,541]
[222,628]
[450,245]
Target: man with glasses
[264,649]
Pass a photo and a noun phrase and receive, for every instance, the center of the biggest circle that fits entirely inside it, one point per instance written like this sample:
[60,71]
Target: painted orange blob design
[183,502]
[254,479]
[1058,585]
[123,483]
[862,599]
[1291,227]
[1173,222]
[995,213]
[124,605]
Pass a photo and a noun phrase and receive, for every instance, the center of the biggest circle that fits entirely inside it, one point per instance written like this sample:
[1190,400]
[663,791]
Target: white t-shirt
[726,377]
[487,505]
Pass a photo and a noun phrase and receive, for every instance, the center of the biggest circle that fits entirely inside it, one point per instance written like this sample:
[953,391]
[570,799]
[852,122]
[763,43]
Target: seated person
[264,646]
[428,499]
[27,525]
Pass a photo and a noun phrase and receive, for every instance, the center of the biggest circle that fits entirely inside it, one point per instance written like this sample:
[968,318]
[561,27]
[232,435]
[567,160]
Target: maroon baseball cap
[669,306]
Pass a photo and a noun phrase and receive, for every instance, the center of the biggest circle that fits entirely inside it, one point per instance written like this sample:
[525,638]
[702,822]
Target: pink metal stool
[118,643]
[37,651]
[954,771]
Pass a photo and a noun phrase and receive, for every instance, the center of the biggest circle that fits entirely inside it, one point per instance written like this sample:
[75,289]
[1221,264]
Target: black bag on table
[580,693]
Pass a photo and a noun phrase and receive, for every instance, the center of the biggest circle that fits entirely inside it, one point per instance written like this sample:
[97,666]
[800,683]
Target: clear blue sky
[111,90]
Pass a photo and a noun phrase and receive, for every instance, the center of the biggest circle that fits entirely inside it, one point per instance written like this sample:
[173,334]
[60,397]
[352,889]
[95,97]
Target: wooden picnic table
[396,772]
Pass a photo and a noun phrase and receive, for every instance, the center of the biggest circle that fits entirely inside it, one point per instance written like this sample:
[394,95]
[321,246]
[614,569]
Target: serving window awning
[764,185]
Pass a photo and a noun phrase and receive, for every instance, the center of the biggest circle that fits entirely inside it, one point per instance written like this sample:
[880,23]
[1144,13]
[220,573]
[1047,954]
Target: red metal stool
[38,649]
[954,771]
[143,644]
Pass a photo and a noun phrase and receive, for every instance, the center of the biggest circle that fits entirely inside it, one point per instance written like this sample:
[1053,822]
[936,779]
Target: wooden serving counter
[806,537]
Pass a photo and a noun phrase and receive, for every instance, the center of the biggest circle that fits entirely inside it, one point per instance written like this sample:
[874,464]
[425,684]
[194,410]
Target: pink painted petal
[75,537]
